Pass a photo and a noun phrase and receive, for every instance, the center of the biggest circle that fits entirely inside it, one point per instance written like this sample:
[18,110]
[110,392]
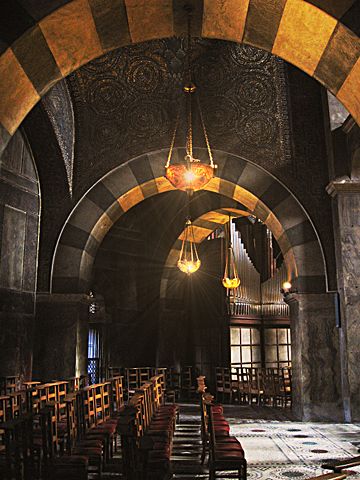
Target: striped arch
[129,184]
[203,226]
[308,34]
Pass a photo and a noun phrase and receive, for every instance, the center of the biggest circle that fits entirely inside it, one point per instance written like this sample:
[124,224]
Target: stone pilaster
[346,208]
[61,333]
[315,357]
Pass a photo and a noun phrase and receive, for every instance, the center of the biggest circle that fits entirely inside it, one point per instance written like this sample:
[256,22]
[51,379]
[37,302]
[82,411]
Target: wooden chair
[9,384]
[230,458]
[224,386]
[172,378]
[270,385]
[187,382]
[132,381]
[286,386]
[256,390]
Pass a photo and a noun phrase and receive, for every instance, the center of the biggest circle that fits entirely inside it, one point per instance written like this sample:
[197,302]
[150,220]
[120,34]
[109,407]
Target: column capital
[336,187]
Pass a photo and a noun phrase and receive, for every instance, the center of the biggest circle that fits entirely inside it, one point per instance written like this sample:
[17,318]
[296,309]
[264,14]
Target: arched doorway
[249,186]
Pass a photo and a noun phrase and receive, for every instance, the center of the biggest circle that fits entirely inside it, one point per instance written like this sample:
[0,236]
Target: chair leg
[203,454]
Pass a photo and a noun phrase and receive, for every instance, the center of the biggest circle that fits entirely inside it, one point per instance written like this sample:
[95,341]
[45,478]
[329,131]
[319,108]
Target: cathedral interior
[179,239]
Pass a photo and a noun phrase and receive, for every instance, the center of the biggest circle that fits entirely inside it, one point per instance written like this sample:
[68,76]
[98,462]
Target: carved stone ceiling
[126,103]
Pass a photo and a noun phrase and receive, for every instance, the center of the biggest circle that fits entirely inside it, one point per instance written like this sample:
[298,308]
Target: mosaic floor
[276,446]
[275,449]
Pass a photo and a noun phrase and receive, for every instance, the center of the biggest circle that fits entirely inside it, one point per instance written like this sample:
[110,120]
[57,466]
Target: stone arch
[237,179]
[203,226]
[308,36]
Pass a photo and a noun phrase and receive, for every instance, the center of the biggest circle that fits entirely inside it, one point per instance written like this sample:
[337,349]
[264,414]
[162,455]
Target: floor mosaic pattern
[278,449]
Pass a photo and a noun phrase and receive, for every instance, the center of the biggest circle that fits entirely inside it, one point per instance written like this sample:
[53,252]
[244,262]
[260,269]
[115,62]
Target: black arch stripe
[274,195]
[141,169]
[36,59]
[300,234]
[76,237]
[232,169]
[101,196]
[111,23]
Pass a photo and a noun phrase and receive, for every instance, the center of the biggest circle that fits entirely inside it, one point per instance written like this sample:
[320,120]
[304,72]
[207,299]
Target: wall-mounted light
[287,289]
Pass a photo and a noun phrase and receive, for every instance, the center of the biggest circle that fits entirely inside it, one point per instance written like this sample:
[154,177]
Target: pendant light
[189,261]
[192,174]
[231,278]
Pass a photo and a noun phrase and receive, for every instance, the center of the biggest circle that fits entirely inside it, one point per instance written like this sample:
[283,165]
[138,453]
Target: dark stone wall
[61,330]
[309,173]
[19,221]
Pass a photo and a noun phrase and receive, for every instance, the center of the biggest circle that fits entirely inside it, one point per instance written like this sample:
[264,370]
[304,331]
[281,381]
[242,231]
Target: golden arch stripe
[311,37]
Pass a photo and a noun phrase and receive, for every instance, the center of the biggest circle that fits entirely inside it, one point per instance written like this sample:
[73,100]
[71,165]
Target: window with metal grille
[94,355]
[245,347]
[277,347]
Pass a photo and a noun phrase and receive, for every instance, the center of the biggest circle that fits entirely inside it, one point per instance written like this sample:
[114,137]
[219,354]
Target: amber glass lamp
[231,278]
[192,174]
[189,261]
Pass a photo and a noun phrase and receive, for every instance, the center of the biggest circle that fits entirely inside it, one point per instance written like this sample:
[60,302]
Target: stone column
[61,336]
[346,208]
[315,357]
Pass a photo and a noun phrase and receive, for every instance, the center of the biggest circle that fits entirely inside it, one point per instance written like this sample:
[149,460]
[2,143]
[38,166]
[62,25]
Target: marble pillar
[346,208]
[61,336]
[315,357]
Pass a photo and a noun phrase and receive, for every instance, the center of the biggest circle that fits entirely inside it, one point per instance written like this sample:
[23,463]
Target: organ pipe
[253,297]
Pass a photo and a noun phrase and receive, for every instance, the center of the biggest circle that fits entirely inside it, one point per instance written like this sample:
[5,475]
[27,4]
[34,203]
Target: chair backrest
[4,401]
[211,430]
[72,422]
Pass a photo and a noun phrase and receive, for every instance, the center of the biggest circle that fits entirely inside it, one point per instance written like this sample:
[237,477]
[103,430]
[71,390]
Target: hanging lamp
[231,278]
[189,261]
[192,174]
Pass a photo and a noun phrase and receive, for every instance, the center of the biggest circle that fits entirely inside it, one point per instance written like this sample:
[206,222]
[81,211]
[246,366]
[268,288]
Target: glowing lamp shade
[231,283]
[189,261]
[231,278]
[286,286]
[191,177]
[189,266]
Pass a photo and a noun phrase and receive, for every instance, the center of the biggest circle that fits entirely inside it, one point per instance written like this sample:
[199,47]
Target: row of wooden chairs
[254,385]
[59,434]
[225,453]
[147,427]
[12,384]
[177,382]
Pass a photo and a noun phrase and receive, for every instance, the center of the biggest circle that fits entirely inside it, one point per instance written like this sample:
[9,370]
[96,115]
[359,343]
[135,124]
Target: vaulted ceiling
[44,41]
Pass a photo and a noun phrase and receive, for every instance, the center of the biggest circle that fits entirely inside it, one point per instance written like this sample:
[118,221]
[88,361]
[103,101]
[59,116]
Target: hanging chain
[205,135]
[189,46]
[188,88]
[173,140]
[189,140]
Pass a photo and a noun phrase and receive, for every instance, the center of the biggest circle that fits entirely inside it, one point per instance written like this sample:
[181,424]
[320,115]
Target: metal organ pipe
[252,297]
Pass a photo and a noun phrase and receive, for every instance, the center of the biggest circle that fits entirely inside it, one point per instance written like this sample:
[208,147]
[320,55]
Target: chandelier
[231,278]
[192,174]
[189,261]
